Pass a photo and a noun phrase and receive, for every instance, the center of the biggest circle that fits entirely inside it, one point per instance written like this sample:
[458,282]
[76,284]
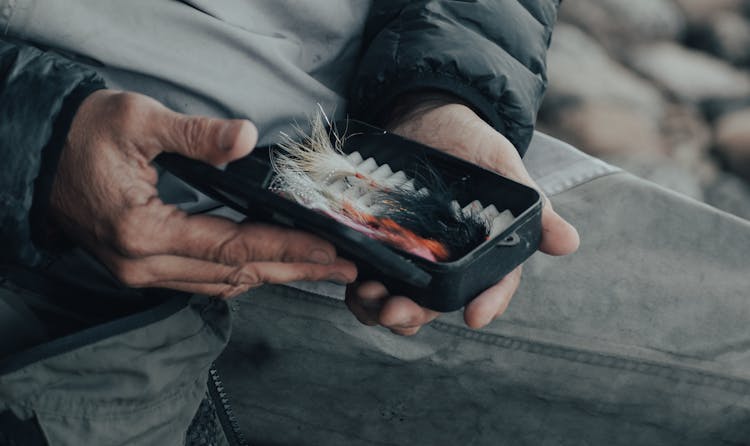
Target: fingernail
[320,256]
[227,136]
[338,278]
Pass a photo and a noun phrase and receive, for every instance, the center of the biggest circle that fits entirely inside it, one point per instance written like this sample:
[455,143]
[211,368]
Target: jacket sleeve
[39,94]
[490,53]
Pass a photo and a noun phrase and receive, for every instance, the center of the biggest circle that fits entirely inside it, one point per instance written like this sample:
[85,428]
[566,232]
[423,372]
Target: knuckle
[267,242]
[308,271]
[130,239]
[233,251]
[245,276]
[126,106]
[194,130]
[232,291]
[150,175]
[225,292]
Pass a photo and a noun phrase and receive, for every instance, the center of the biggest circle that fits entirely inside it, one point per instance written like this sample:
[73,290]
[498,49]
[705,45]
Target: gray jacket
[93,362]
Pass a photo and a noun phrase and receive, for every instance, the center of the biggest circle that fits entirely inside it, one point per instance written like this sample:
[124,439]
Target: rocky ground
[659,87]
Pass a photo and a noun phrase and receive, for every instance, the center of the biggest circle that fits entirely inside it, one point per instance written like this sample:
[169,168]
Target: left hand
[104,197]
[456,129]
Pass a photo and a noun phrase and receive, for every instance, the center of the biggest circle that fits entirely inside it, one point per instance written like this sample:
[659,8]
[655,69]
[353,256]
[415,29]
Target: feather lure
[388,206]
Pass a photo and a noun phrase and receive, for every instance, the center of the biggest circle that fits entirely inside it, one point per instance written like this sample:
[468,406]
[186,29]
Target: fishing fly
[412,211]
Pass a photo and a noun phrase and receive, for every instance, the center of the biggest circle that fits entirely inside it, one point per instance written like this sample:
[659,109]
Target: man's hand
[104,196]
[457,130]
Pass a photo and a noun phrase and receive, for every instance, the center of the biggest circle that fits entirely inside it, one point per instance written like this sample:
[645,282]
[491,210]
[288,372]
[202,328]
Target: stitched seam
[617,362]
[596,166]
[116,411]
[485,37]
[538,20]
[414,73]
[561,182]
[586,181]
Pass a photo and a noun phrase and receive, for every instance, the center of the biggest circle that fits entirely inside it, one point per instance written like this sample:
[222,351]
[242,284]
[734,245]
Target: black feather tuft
[432,213]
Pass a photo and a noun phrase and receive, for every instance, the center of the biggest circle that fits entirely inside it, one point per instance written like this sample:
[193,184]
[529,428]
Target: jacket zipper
[224,411]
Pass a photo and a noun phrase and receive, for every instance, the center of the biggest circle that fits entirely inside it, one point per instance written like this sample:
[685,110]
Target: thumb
[211,140]
[558,236]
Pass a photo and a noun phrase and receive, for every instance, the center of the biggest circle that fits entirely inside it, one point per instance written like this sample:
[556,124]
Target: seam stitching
[531,13]
[124,410]
[561,183]
[585,181]
[617,362]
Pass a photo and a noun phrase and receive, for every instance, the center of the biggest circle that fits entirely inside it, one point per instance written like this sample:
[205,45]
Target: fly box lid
[510,210]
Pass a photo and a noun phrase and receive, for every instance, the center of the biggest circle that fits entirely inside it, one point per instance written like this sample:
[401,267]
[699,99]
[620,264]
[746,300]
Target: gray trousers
[641,337]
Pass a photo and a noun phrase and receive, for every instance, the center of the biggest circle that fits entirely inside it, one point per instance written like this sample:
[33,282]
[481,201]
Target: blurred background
[659,87]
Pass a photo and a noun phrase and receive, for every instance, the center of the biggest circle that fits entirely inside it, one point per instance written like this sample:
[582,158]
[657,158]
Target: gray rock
[732,37]
[606,130]
[717,107]
[724,34]
[613,21]
[662,171]
[687,136]
[733,141]
[700,11]
[580,70]
[690,75]
[596,103]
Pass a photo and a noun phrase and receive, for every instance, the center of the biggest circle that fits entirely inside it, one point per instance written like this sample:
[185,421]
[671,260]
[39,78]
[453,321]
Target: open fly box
[247,186]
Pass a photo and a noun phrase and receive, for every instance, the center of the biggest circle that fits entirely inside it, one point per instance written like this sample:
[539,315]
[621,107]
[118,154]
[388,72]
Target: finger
[340,271]
[403,315]
[558,236]
[365,301]
[492,302]
[221,240]
[215,141]
[154,228]
[147,271]
[152,270]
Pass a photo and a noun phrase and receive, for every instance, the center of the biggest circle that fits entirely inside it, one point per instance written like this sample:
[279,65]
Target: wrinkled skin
[104,197]
[441,122]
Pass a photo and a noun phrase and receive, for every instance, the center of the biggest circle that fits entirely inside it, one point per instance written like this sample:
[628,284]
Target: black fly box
[378,209]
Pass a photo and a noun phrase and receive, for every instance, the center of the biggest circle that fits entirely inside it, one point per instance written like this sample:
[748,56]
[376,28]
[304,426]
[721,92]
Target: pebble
[733,141]
[689,75]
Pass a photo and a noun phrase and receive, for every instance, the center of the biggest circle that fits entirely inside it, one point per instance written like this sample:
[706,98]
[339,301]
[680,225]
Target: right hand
[104,196]
[444,123]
